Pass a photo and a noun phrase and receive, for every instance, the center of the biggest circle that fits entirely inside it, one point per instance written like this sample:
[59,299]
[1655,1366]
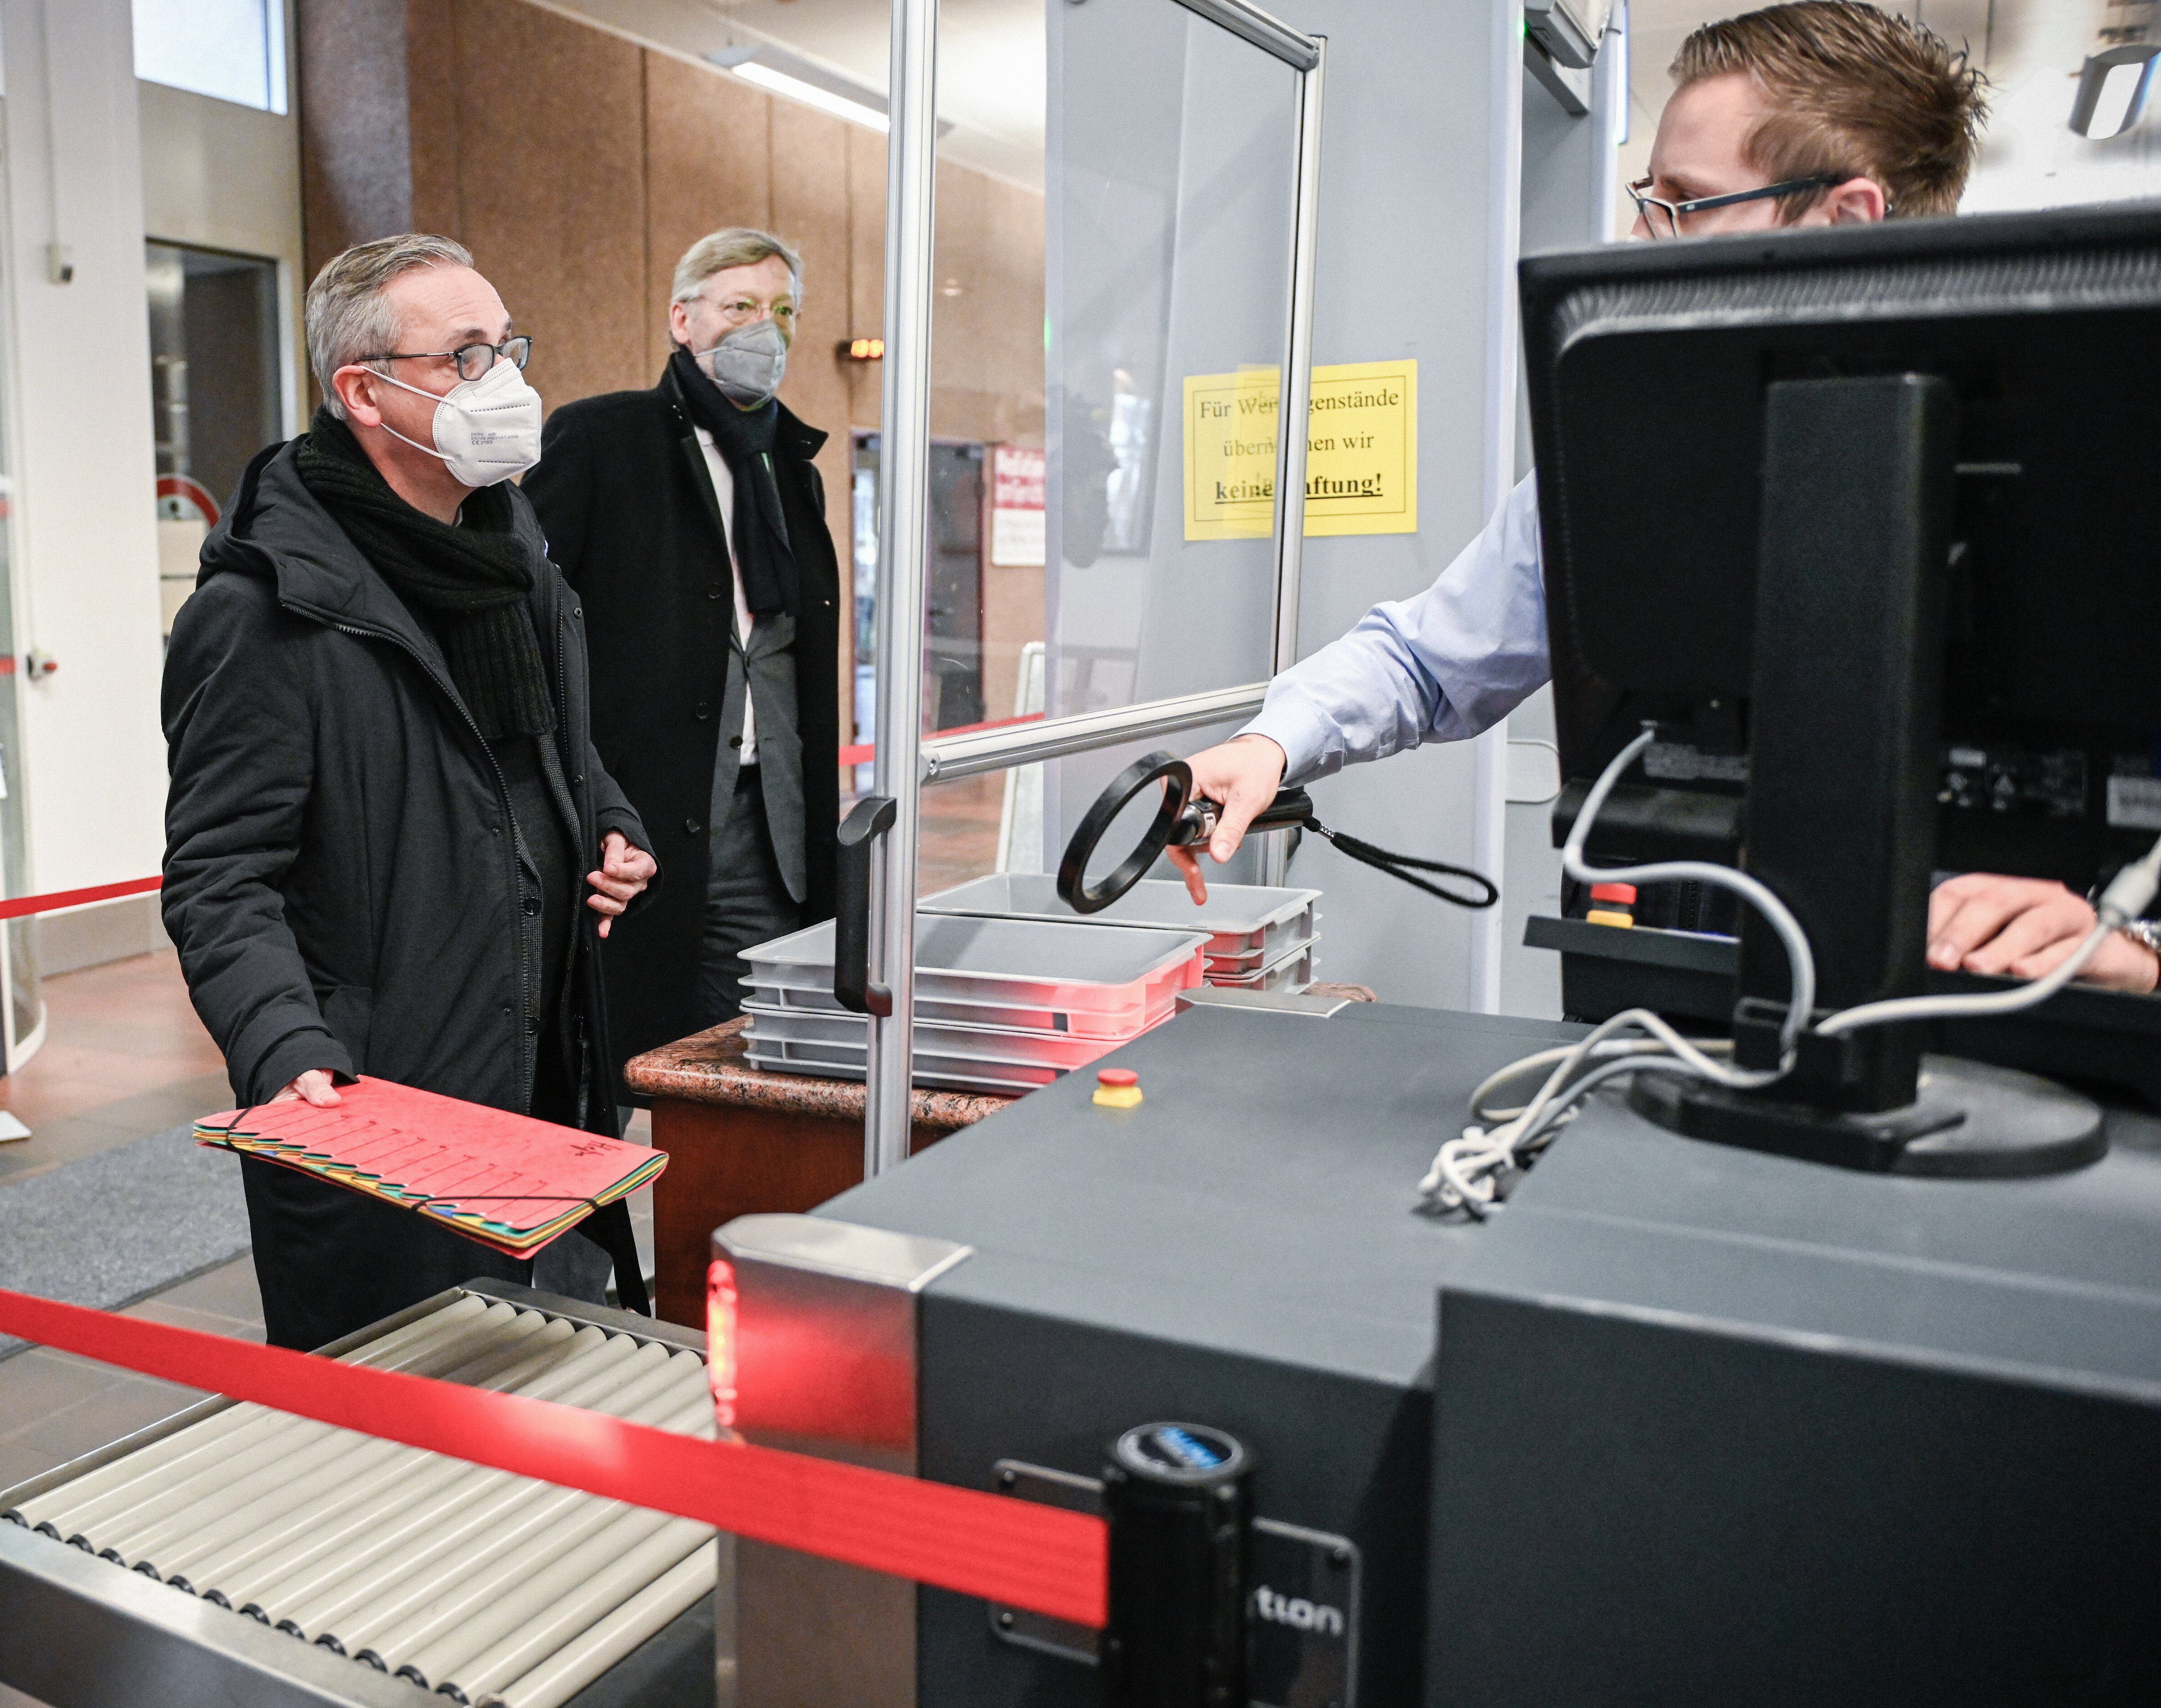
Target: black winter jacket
[340,876]
[624,493]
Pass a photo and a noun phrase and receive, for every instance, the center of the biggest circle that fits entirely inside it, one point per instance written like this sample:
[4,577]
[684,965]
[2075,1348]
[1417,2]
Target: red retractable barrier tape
[23,905]
[1011,1551]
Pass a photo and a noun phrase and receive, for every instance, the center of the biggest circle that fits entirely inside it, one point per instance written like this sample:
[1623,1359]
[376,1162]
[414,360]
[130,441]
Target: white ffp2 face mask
[487,430]
[748,364]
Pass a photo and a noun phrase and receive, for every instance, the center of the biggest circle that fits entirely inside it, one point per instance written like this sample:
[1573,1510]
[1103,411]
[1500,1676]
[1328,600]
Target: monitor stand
[1845,731]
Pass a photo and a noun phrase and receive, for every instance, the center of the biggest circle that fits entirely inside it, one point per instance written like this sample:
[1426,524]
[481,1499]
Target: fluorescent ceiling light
[2111,91]
[793,77]
[795,89]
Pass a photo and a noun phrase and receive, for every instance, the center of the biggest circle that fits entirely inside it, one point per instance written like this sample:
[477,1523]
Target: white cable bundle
[1465,1171]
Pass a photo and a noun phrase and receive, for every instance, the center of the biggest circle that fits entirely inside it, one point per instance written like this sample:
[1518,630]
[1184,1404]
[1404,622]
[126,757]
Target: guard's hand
[1241,777]
[624,872]
[2024,927]
[314,1086]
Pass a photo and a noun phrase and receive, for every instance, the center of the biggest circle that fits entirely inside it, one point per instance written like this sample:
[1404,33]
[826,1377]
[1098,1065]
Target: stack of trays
[1002,1005]
[1259,937]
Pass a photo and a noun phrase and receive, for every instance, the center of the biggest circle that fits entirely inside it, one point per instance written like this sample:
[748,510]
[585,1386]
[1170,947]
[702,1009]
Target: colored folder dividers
[506,1180]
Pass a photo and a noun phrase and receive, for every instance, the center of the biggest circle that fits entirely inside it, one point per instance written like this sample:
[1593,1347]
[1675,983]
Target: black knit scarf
[471,581]
[758,532]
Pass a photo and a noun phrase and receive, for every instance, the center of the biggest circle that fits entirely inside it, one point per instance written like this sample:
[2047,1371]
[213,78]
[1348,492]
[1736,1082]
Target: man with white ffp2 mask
[392,847]
[691,520]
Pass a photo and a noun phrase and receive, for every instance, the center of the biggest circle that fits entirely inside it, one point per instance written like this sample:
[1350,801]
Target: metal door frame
[904,761]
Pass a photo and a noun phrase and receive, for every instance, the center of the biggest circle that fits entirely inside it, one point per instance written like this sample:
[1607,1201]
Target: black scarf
[470,581]
[758,533]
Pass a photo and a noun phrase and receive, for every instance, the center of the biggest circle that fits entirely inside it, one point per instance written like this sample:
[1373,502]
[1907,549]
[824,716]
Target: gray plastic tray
[1060,1051]
[1292,970]
[1247,924]
[1107,982]
[833,1061]
[1112,1028]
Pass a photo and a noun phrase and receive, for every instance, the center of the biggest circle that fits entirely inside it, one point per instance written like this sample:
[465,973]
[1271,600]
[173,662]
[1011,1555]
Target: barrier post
[1178,1498]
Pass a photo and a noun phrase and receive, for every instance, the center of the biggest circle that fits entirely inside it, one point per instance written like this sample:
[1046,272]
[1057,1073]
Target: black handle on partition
[868,820]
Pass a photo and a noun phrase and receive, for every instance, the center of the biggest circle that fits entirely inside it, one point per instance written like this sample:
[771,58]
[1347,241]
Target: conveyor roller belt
[479,1585]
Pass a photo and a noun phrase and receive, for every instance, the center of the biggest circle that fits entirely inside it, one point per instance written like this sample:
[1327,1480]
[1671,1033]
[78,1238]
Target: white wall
[78,442]
[219,175]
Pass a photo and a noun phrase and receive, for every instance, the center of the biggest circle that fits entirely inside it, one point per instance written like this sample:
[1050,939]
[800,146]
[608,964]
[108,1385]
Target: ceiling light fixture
[2111,91]
[792,77]
[795,89]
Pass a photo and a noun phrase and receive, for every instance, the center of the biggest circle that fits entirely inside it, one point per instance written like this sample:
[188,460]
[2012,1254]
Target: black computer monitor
[1868,521]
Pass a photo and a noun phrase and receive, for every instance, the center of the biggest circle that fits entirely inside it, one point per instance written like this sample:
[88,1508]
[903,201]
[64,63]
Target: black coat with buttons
[624,496]
[340,879]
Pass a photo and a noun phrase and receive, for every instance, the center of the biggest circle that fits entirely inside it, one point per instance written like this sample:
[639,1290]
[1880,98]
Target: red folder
[506,1180]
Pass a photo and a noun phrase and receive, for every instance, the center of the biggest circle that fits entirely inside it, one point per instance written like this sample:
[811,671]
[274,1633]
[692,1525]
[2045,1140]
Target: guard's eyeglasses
[473,360]
[1664,218]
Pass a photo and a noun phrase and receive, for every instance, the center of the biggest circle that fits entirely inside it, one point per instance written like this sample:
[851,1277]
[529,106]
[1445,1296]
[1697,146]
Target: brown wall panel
[708,154]
[1010,290]
[551,188]
[356,181]
[811,212]
[957,306]
[986,355]
[865,269]
[432,75]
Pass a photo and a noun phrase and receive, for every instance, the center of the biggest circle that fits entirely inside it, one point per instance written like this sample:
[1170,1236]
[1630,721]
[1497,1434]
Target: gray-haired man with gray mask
[691,521]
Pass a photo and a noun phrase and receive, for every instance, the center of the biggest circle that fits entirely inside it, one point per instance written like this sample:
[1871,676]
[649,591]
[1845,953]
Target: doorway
[214,393]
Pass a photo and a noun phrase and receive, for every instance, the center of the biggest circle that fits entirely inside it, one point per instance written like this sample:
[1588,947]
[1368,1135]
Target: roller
[335,1543]
[133,1535]
[535,1525]
[367,1456]
[64,1497]
[563,1598]
[216,1443]
[591,1652]
[318,1526]
[464,1499]
[389,1580]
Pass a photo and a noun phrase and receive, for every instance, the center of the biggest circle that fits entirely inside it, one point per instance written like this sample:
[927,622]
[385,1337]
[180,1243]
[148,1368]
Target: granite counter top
[709,1068]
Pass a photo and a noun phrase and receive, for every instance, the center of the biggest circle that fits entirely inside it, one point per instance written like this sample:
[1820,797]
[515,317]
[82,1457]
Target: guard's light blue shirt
[1440,666]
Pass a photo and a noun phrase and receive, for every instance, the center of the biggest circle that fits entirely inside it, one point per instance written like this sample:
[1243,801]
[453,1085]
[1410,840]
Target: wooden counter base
[740,1141]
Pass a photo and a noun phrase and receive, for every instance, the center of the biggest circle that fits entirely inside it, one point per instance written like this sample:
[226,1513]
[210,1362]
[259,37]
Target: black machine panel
[1648,420]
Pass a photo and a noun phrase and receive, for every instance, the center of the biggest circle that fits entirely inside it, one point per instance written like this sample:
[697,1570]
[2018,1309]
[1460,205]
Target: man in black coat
[385,800]
[691,521]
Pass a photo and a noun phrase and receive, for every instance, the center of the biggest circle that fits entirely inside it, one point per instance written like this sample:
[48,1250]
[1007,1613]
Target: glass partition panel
[1172,167]
[1115,207]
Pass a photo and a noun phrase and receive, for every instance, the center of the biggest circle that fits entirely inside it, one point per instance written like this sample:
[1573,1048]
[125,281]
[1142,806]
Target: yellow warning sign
[1361,452]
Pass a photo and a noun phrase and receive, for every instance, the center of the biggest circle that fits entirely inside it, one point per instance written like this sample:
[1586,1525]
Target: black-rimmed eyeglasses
[1664,218]
[473,360]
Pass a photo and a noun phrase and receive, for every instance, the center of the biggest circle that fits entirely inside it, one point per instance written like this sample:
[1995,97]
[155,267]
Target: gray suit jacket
[767,672]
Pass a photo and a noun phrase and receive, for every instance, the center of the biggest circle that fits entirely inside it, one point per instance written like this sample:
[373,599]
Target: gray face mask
[749,363]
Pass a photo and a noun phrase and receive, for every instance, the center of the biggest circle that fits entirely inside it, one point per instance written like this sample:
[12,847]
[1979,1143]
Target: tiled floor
[124,1056]
[111,1032]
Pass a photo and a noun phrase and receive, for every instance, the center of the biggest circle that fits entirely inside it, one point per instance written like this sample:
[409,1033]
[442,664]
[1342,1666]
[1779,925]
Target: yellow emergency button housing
[1118,1088]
